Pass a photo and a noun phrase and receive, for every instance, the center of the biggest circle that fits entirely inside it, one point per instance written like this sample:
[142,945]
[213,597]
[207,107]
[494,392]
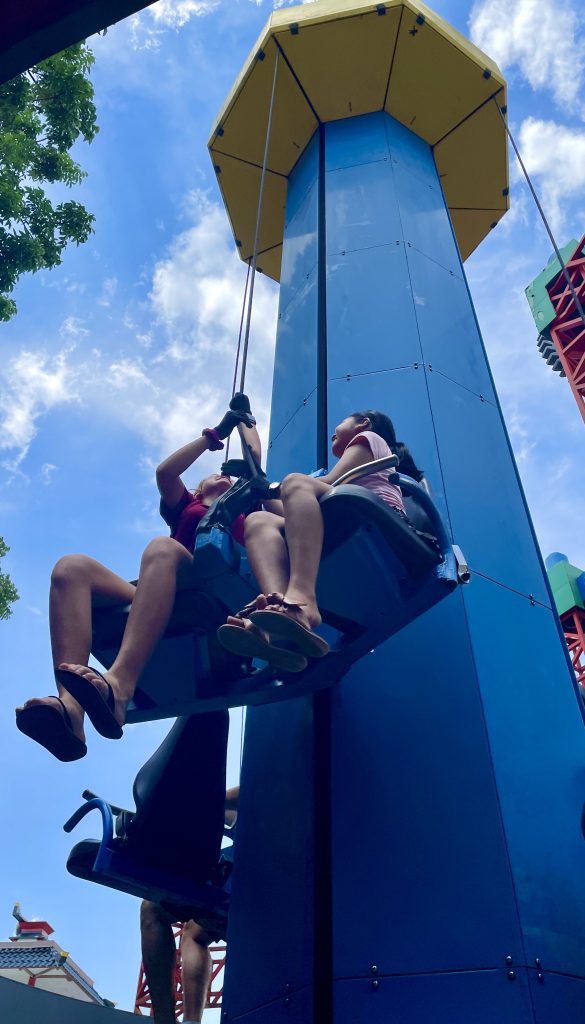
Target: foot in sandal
[240,636]
[47,721]
[96,693]
[262,601]
[292,623]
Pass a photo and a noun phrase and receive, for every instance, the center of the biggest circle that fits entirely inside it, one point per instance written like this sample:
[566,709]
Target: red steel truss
[567,330]
[573,623]
[143,1005]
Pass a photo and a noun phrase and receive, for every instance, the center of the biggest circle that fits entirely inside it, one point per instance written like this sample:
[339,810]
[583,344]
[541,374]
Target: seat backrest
[180,795]
[348,507]
[417,515]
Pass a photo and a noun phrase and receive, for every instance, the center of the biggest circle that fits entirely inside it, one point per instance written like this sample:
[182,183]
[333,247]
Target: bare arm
[168,474]
[251,437]
[355,455]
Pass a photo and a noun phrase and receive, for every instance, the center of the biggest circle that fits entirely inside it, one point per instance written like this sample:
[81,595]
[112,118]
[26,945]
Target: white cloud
[543,38]
[126,374]
[32,384]
[175,13]
[73,328]
[172,390]
[555,155]
[47,470]
[145,30]
[198,290]
[148,26]
[109,288]
[545,428]
[181,381]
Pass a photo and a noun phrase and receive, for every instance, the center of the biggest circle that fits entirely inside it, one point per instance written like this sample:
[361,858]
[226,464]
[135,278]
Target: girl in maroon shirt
[79,583]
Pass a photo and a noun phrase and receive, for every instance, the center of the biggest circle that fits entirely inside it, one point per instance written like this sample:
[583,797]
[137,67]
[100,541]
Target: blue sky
[125,351]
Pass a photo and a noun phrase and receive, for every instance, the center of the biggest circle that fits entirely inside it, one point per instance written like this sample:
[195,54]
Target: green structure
[541,307]
[567,583]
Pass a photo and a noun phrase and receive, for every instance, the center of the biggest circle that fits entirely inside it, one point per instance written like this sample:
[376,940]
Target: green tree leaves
[42,114]
[8,592]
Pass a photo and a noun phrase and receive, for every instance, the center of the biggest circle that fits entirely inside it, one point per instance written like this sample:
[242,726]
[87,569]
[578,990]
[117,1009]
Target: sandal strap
[289,607]
[65,712]
[252,606]
[245,611]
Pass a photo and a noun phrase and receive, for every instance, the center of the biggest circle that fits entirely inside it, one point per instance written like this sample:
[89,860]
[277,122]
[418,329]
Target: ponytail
[406,463]
[383,426]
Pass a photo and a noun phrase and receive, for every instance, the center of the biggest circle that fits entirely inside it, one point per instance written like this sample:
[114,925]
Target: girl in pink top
[284,544]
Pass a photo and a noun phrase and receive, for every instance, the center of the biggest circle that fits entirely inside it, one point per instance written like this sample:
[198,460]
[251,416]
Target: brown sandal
[251,643]
[283,627]
[244,613]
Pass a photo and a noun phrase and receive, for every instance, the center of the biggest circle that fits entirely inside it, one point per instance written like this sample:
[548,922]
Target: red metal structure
[573,623]
[567,330]
[143,1004]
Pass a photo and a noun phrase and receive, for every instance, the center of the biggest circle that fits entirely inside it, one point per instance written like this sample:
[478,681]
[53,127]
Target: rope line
[557,251]
[227,447]
[258,222]
[249,295]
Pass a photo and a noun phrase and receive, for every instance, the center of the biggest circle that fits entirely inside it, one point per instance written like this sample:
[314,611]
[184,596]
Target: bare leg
[304,539]
[158,958]
[268,556]
[163,564]
[196,970]
[78,583]
[267,551]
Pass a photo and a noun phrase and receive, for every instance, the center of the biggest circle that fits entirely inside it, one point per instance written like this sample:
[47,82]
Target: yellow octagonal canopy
[342,59]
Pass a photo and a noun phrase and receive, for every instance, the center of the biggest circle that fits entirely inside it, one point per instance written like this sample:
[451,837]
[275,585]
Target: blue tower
[410,846]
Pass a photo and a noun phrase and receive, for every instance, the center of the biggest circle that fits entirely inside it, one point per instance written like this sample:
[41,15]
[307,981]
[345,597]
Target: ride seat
[349,507]
[169,849]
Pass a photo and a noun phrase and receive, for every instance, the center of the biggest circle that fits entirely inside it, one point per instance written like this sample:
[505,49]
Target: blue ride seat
[169,849]
[377,574]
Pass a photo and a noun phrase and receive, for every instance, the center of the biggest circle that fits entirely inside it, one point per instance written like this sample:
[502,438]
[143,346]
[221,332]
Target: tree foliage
[8,592]
[42,114]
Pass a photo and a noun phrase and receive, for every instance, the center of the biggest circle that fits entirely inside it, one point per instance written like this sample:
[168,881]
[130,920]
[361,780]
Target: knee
[163,550]
[70,569]
[256,522]
[193,932]
[293,483]
[150,914]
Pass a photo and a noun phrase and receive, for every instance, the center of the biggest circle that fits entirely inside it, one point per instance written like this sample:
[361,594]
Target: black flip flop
[283,627]
[45,724]
[99,711]
[250,643]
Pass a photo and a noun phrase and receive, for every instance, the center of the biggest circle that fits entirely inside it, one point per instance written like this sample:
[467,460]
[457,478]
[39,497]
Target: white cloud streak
[32,384]
[175,13]
[181,380]
[555,155]
[542,38]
